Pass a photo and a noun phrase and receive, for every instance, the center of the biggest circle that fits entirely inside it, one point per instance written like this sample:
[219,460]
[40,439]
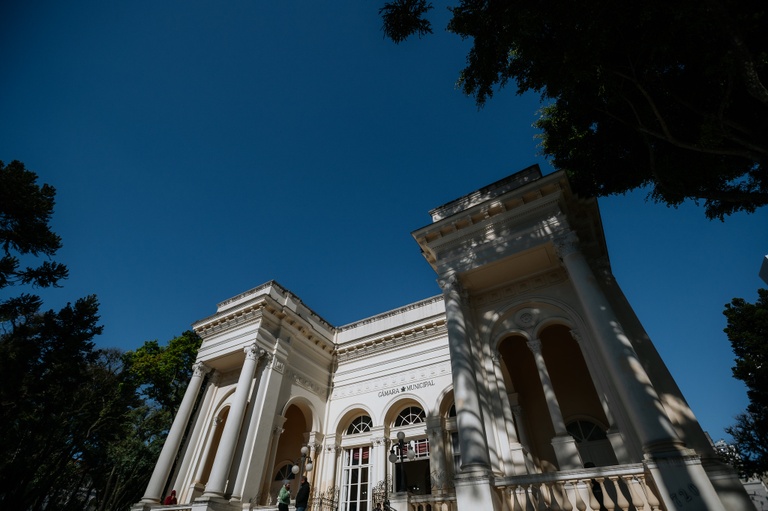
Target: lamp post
[305,462]
[404,450]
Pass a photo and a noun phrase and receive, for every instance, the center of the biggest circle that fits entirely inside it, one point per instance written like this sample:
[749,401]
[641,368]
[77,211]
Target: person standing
[302,497]
[284,497]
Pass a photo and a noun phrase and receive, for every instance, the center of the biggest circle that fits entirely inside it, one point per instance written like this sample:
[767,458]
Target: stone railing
[620,488]
[435,502]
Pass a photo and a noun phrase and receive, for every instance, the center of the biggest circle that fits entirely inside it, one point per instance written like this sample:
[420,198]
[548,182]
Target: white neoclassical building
[529,383]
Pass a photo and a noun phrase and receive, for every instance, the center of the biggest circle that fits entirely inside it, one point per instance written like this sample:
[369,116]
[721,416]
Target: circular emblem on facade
[526,318]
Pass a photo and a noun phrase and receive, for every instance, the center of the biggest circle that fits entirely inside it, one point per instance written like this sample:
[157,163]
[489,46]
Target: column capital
[199,369]
[378,441]
[566,244]
[434,422]
[252,352]
[448,282]
[576,336]
[535,346]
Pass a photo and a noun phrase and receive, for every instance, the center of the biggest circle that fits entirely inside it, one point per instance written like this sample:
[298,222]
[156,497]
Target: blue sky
[201,148]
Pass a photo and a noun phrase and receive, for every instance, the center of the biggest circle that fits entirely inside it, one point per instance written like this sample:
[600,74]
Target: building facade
[529,383]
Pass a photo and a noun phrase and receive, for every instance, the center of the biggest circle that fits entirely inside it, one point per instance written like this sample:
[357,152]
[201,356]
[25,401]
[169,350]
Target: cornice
[476,219]
[514,182]
[391,313]
[221,322]
[373,345]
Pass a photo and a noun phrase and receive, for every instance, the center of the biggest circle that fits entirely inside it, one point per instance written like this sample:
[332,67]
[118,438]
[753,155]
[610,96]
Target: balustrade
[600,490]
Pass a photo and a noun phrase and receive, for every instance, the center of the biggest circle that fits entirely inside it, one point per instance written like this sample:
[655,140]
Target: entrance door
[356,480]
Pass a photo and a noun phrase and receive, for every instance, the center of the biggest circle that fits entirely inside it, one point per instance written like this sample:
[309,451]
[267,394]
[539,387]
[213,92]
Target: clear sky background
[201,148]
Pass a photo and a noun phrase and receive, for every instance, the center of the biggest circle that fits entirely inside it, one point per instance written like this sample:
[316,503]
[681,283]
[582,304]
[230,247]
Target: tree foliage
[25,209]
[161,373]
[748,332]
[669,95]
[82,427]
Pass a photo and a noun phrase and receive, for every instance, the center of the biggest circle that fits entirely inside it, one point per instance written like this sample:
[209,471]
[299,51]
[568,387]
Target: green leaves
[667,94]
[161,373]
[748,332]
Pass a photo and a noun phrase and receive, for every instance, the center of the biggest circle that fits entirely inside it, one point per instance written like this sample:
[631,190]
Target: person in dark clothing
[302,497]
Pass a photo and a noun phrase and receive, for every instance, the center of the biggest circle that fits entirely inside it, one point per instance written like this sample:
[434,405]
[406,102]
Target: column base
[682,481]
[475,490]
[206,503]
[566,452]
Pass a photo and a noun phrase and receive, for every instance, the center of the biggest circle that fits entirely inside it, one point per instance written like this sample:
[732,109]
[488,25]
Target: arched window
[583,430]
[361,424]
[410,415]
[285,473]
[452,410]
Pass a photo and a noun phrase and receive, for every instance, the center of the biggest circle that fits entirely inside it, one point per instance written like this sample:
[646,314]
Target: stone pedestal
[475,490]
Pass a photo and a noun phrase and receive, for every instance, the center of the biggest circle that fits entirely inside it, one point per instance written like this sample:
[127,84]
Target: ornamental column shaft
[472,442]
[162,469]
[436,435]
[218,479]
[643,405]
[549,391]
[378,460]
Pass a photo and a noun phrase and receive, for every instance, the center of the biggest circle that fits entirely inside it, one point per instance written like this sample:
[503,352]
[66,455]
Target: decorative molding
[449,283]
[393,381]
[379,441]
[540,281]
[535,346]
[566,244]
[215,377]
[305,383]
[443,242]
[199,369]
[392,313]
[252,352]
[577,336]
[365,347]
[332,448]
[231,320]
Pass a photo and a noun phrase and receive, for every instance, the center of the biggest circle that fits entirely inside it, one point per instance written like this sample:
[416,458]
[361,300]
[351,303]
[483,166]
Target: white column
[314,446]
[643,405]
[162,470]
[436,435]
[256,464]
[218,480]
[517,412]
[469,419]
[513,456]
[378,460]
[549,391]
[330,454]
